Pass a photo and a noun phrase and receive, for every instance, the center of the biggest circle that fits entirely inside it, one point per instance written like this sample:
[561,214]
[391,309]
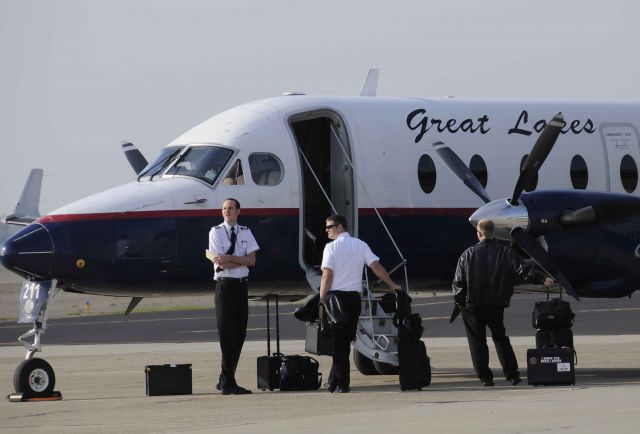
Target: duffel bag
[300,373]
[553,313]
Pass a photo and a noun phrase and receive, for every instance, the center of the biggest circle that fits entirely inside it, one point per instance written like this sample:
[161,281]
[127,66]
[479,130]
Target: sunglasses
[327,227]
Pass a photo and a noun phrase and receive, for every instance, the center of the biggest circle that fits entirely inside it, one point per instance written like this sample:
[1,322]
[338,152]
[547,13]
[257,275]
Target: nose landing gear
[34,378]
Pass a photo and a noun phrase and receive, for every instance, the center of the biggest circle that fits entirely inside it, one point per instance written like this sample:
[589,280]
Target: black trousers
[339,374]
[476,320]
[232,313]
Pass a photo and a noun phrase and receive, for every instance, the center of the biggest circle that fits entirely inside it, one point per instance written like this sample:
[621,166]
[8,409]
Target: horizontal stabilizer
[134,156]
[28,207]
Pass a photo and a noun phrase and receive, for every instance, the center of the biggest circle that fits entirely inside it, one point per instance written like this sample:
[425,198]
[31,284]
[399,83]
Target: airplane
[27,208]
[294,159]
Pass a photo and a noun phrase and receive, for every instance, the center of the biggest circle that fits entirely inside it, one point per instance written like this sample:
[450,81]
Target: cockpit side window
[266,169]
[202,162]
[164,159]
[235,176]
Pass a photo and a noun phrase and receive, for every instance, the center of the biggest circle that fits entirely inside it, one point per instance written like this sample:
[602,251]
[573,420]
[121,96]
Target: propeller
[461,170]
[538,154]
[532,248]
[510,211]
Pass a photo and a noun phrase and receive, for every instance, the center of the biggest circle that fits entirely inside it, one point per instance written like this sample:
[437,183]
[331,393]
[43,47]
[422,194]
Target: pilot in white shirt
[343,261]
[235,249]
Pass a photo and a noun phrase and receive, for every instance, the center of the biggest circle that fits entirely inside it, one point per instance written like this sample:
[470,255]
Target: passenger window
[628,173]
[579,173]
[426,174]
[479,168]
[235,176]
[534,181]
[266,169]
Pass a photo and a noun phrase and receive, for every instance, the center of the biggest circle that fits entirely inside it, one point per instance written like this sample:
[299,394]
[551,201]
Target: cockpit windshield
[159,164]
[202,162]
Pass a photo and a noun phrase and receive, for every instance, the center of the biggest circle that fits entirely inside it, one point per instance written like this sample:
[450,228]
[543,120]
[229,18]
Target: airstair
[376,336]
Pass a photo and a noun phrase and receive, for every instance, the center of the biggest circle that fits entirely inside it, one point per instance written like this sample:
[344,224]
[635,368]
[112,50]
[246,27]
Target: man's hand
[550,282]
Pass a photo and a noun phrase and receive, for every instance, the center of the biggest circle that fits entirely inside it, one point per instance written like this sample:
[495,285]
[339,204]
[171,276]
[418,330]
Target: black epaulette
[220,226]
[242,228]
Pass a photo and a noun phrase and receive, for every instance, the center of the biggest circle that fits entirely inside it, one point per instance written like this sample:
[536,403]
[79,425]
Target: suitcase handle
[269,326]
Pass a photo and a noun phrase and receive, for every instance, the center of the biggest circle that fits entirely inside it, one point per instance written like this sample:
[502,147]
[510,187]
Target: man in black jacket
[482,287]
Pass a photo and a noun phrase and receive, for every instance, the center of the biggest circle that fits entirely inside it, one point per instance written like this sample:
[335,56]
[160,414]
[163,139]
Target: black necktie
[233,242]
[232,248]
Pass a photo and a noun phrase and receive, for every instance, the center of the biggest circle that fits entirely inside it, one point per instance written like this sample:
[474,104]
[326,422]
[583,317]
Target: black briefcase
[551,366]
[316,342]
[168,379]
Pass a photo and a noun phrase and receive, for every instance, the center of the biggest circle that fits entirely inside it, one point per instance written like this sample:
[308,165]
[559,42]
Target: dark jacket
[486,273]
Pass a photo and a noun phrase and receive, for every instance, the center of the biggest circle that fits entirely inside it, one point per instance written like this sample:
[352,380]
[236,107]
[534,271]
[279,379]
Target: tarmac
[103,389]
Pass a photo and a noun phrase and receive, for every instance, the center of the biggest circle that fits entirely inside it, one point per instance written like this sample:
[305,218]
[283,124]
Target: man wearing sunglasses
[342,263]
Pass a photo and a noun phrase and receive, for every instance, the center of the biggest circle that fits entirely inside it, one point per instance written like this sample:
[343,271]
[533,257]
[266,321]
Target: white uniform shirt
[220,241]
[346,256]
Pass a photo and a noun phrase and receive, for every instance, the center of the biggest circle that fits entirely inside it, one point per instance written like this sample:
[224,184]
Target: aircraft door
[622,153]
[327,180]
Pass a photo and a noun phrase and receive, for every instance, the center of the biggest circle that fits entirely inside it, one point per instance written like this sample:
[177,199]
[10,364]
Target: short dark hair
[486,228]
[235,200]
[339,220]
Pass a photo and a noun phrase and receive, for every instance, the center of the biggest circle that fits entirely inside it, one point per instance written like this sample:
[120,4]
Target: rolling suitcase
[415,366]
[269,365]
[551,366]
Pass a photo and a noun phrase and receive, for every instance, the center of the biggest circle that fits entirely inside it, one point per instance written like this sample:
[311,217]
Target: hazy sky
[79,77]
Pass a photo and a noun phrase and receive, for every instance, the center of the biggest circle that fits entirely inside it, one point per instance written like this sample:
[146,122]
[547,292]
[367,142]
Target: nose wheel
[34,378]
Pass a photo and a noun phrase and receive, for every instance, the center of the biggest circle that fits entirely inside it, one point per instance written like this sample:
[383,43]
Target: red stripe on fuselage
[465,212]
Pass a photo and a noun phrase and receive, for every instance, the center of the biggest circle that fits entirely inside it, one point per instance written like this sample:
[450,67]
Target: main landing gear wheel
[364,364]
[34,378]
[385,368]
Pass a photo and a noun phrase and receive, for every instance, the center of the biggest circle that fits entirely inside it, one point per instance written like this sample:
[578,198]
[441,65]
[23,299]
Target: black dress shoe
[346,389]
[516,380]
[330,387]
[236,390]
[218,386]
[488,383]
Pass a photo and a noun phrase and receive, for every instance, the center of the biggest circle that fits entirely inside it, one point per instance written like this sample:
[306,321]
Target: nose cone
[29,252]
[504,215]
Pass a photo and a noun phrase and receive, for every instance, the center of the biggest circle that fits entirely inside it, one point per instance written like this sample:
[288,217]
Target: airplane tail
[28,207]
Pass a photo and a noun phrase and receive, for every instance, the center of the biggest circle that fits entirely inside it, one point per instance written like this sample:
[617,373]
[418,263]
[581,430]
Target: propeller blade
[542,258]
[461,170]
[134,156]
[538,154]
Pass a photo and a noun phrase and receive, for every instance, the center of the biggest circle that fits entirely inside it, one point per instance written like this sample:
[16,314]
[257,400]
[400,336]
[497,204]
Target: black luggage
[168,379]
[269,365]
[414,364]
[316,342]
[299,373]
[556,338]
[277,371]
[551,366]
[551,314]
